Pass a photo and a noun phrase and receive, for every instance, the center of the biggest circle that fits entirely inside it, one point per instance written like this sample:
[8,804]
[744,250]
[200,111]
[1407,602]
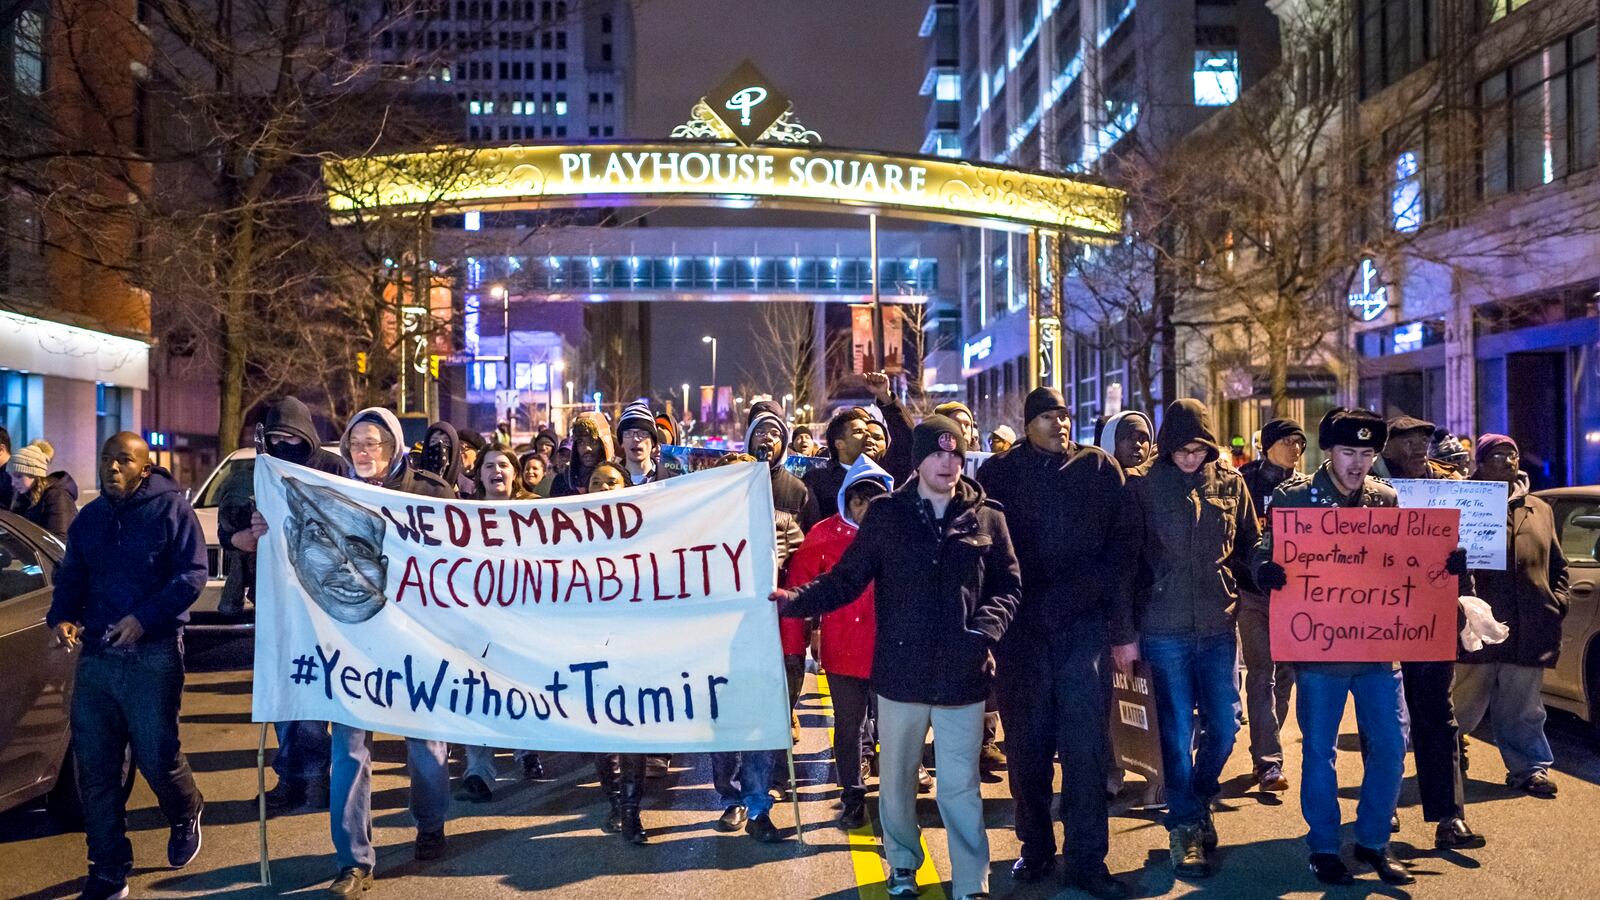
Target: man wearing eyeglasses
[1192,525]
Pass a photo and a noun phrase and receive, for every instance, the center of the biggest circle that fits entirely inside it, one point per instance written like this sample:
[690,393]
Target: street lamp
[686,401]
[556,368]
[569,393]
[708,339]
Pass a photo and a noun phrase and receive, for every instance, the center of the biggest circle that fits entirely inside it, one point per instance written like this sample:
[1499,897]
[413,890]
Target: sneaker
[854,815]
[184,843]
[1536,783]
[1271,779]
[903,883]
[430,845]
[474,790]
[732,818]
[1330,869]
[924,780]
[97,888]
[991,759]
[532,768]
[1188,852]
[762,829]
[352,882]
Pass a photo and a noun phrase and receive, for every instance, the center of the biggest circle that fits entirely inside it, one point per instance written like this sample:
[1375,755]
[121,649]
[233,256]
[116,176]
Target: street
[544,837]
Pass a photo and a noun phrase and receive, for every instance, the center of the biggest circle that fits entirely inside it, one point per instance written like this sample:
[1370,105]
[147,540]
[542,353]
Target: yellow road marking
[866,859]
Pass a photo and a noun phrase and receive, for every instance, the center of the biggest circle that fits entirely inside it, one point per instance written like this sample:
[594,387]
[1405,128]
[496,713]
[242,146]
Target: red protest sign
[1365,584]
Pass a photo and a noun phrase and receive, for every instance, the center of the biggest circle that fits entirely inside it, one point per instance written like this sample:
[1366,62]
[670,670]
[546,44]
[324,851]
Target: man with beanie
[1448,455]
[845,440]
[1129,437]
[1062,502]
[135,563]
[1267,685]
[1190,522]
[957,412]
[1352,439]
[1529,595]
[286,432]
[1435,735]
[638,443]
[945,585]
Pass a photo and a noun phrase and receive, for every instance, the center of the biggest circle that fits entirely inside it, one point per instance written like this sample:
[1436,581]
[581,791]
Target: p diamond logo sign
[747,103]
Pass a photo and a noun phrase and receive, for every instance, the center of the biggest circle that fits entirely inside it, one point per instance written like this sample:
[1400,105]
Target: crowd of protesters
[968,607]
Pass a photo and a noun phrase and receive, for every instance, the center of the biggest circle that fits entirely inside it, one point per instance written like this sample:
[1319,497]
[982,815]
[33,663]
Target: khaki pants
[957,736]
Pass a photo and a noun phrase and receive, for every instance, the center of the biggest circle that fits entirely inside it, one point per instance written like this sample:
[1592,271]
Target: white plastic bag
[1481,627]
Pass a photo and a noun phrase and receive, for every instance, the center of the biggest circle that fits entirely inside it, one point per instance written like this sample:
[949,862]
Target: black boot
[287,794]
[630,787]
[605,767]
[632,829]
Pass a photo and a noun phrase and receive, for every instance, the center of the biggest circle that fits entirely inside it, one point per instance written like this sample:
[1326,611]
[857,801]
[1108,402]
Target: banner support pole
[794,796]
[261,804]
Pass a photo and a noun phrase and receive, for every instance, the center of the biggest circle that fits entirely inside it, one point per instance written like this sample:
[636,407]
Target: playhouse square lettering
[751,169]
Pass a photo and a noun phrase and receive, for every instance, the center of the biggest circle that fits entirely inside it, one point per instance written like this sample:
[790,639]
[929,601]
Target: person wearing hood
[639,444]
[45,498]
[742,779]
[847,632]
[444,454]
[1435,734]
[1352,440]
[1267,685]
[1530,596]
[846,439]
[546,442]
[135,563]
[1129,437]
[1191,523]
[472,446]
[590,437]
[1062,503]
[372,449]
[285,432]
[938,555]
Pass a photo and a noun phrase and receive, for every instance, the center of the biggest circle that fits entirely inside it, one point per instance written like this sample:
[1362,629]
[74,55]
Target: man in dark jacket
[1062,502]
[1192,524]
[1530,597]
[1352,439]
[1267,685]
[443,454]
[135,562]
[945,589]
[845,439]
[286,432]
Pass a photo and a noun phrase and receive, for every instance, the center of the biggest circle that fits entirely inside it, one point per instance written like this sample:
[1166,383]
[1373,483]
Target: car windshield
[234,475]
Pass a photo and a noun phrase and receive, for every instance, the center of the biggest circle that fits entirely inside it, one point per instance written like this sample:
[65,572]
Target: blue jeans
[128,697]
[1509,694]
[350,793]
[1320,692]
[1193,671]
[743,778]
[304,751]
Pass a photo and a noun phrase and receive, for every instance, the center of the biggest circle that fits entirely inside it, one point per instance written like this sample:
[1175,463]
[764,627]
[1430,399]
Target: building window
[108,411]
[1216,77]
[605,52]
[1499,9]
[947,87]
[1541,117]
[1405,196]
[14,406]
[1395,38]
[605,24]
[561,40]
[28,50]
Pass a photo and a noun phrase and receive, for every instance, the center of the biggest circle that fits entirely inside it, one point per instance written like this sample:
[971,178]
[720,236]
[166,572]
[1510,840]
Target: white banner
[1483,513]
[628,621]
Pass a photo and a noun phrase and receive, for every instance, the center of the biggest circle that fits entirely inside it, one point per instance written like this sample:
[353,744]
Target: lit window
[948,87]
[28,49]
[472,221]
[444,73]
[1405,198]
[1216,77]
[561,107]
[475,107]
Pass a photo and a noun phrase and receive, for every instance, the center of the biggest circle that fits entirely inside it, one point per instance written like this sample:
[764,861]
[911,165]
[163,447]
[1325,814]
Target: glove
[1456,562]
[1271,576]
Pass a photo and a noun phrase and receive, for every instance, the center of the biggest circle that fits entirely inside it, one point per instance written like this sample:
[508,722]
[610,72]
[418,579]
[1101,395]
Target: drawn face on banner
[336,548]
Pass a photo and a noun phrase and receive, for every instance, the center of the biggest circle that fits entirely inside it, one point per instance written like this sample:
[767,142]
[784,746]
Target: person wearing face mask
[945,582]
[1130,439]
[1267,685]
[135,563]
[286,432]
[498,481]
[1529,596]
[443,454]
[590,437]
[1062,504]
[1191,524]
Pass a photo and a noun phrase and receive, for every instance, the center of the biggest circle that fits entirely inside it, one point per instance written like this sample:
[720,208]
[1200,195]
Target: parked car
[236,472]
[1574,684]
[35,741]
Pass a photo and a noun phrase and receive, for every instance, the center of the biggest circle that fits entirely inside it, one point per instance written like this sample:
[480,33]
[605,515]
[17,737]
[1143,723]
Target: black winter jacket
[944,592]
[142,555]
[1530,595]
[791,497]
[291,415]
[56,507]
[1062,512]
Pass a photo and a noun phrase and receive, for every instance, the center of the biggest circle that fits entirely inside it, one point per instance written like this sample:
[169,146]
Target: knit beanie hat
[1447,448]
[33,460]
[638,415]
[472,439]
[933,434]
[1042,400]
[1279,429]
[1486,443]
[950,407]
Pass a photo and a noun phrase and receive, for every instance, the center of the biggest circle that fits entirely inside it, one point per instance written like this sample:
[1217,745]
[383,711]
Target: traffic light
[433,366]
[361,363]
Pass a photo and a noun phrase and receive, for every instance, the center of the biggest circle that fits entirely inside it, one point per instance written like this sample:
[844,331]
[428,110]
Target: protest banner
[1365,584]
[1135,736]
[681,460]
[625,621]
[1483,513]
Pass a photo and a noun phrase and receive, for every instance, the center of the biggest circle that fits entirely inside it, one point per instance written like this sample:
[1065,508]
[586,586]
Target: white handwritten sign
[1483,513]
